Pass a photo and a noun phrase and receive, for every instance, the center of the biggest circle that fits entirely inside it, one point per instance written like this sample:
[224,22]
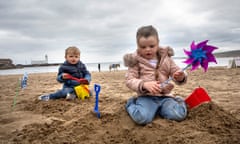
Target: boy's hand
[65,76]
[83,81]
[179,75]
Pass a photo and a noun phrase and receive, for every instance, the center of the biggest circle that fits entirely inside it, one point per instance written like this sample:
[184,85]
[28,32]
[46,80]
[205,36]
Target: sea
[93,67]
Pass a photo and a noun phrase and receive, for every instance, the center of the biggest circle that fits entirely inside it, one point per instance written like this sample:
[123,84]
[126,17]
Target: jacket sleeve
[133,81]
[87,74]
[88,77]
[175,68]
[59,75]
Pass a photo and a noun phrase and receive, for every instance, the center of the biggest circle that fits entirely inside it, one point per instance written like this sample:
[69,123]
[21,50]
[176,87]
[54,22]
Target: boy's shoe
[44,97]
[70,96]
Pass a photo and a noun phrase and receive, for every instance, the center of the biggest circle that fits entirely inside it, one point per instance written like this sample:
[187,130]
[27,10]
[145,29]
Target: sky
[105,30]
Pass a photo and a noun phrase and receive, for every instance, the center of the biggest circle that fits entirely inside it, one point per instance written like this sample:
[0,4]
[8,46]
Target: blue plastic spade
[97,89]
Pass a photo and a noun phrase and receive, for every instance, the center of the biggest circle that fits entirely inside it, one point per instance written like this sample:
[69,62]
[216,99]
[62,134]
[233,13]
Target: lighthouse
[46,59]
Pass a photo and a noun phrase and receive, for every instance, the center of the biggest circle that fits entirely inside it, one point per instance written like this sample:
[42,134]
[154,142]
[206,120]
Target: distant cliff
[235,53]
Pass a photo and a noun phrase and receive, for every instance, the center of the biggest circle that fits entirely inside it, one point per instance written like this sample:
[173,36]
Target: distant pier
[7,64]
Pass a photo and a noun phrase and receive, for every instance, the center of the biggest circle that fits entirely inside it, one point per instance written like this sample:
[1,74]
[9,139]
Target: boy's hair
[72,50]
[146,31]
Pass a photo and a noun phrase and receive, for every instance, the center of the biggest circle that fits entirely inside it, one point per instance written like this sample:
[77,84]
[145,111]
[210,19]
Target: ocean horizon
[93,67]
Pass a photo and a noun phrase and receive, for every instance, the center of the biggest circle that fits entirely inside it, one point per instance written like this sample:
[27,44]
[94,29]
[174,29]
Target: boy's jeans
[61,93]
[144,108]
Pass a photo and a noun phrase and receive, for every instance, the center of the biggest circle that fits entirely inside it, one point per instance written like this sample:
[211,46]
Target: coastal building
[34,62]
[6,63]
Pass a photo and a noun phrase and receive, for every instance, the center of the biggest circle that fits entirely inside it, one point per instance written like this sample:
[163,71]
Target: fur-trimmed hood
[131,60]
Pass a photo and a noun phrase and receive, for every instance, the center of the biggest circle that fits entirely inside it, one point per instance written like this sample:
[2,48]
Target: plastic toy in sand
[97,89]
[198,96]
[82,90]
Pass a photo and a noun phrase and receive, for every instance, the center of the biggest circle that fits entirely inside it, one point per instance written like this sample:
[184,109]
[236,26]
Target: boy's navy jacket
[78,70]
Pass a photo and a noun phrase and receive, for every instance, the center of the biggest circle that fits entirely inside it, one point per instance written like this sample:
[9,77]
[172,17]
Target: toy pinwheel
[200,54]
[24,81]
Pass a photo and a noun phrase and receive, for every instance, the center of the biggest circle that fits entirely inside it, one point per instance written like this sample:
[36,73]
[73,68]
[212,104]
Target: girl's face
[72,58]
[148,47]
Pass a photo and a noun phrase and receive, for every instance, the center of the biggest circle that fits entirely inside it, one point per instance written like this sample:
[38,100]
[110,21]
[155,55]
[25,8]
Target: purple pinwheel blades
[200,54]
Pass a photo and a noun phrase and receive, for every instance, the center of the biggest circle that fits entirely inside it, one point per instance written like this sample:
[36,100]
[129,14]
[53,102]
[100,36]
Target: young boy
[148,69]
[74,67]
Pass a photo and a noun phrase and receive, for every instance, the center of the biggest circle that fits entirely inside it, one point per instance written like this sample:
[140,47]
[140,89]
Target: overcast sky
[105,30]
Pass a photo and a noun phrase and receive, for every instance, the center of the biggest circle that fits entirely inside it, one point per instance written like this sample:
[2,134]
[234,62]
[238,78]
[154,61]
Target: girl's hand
[179,75]
[152,86]
[167,88]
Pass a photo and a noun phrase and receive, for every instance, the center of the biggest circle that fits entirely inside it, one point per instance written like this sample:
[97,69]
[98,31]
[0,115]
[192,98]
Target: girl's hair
[72,50]
[146,31]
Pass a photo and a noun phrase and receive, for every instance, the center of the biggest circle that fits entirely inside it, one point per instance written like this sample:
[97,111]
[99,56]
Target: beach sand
[61,121]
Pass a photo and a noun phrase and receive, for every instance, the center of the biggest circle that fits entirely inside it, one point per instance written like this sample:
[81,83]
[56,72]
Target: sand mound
[74,122]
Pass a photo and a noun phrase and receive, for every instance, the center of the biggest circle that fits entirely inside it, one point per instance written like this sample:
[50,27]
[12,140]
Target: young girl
[148,69]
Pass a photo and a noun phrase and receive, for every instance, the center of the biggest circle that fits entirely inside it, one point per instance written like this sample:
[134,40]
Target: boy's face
[147,47]
[72,58]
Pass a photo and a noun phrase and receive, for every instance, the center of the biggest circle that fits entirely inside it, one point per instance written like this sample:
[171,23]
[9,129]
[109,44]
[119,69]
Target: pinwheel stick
[22,83]
[17,91]
[171,78]
[185,68]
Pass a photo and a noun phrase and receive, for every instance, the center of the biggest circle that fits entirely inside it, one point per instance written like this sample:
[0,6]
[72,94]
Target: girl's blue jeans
[143,109]
[61,93]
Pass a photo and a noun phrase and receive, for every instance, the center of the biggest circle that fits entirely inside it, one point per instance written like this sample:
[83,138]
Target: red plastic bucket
[198,96]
